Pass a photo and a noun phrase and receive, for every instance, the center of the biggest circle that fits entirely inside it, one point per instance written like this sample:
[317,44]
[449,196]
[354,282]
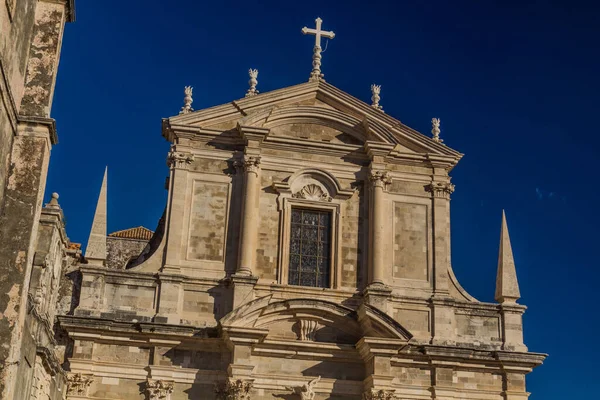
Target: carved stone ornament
[312,192]
[233,389]
[435,129]
[159,389]
[187,100]
[316,74]
[306,391]
[179,160]
[248,164]
[441,190]
[380,178]
[307,329]
[253,73]
[375,97]
[78,384]
[381,394]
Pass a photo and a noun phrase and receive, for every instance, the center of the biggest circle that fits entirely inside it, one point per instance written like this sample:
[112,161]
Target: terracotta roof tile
[139,233]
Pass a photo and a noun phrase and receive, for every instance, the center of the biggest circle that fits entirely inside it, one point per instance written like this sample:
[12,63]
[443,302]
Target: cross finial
[253,73]
[375,91]
[316,74]
[187,100]
[435,130]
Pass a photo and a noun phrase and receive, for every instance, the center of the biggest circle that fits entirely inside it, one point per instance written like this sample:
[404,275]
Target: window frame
[285,237]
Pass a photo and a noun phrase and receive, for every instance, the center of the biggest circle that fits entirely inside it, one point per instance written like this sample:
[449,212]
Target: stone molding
[233,389]
[78,384]
[159,389]
[249,164]
[380,178]
[381,394]
[179,159]
[441,190]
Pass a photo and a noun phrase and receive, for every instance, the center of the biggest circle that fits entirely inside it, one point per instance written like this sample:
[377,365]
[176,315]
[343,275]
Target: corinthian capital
[373,394]
[248,164]
[179,159]
[233,389]
[78,384]
[380,178]
[159,389]
[441,190]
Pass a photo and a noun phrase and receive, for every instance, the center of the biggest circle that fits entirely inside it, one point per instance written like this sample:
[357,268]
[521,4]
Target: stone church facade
[304,253]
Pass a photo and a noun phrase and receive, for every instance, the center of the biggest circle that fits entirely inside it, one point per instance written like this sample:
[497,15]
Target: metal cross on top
[316,74]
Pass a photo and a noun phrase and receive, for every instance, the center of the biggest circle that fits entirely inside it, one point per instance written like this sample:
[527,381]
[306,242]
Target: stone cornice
[465,357]
[49,123]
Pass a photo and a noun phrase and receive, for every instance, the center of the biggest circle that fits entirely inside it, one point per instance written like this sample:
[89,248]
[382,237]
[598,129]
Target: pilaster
[179,162]
[170,304]
[377,354]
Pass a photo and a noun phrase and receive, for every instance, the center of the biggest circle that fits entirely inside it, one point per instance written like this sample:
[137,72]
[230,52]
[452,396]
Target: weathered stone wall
[30,42]
[120,251]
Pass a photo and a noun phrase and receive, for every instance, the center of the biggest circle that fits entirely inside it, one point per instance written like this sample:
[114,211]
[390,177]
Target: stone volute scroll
[306,391]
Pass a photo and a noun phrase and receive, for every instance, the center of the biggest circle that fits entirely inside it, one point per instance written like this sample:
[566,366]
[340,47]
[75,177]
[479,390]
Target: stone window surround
[334,208]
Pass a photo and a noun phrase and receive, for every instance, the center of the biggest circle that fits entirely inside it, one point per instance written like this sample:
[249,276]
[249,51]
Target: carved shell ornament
[312,192]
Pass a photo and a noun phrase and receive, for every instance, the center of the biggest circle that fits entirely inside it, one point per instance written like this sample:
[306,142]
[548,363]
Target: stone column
[379,181]
[250,165]
[377,292]
[179,163]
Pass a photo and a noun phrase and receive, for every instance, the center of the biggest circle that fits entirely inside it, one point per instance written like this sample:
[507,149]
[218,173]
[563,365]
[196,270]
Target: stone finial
[435,130]
[253,73]
[316,74]
[375,96]
[507,287]
[187,100]
[307,390]
[95,252]
[53,203]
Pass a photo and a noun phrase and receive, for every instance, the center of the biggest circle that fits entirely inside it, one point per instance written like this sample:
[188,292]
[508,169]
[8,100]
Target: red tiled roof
[139,233]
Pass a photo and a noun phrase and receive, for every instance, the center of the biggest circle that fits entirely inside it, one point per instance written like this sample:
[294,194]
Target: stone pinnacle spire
[507,287]
[95,252]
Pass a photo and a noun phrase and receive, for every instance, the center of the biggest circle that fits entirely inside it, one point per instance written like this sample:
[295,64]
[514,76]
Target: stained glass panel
[309,248]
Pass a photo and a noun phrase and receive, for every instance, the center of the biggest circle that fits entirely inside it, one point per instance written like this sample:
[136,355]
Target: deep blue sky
[515,84]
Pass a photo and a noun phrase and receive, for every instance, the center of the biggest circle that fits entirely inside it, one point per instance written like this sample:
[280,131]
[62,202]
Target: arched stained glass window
[310,242]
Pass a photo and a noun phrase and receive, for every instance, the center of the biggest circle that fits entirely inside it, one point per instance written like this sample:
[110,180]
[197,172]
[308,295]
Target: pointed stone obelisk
[507,287]
[95,252]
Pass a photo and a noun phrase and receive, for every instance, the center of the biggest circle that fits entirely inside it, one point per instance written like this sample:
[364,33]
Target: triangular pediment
[313,111]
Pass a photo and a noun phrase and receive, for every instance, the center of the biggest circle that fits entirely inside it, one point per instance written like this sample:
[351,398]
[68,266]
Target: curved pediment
[314,319]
